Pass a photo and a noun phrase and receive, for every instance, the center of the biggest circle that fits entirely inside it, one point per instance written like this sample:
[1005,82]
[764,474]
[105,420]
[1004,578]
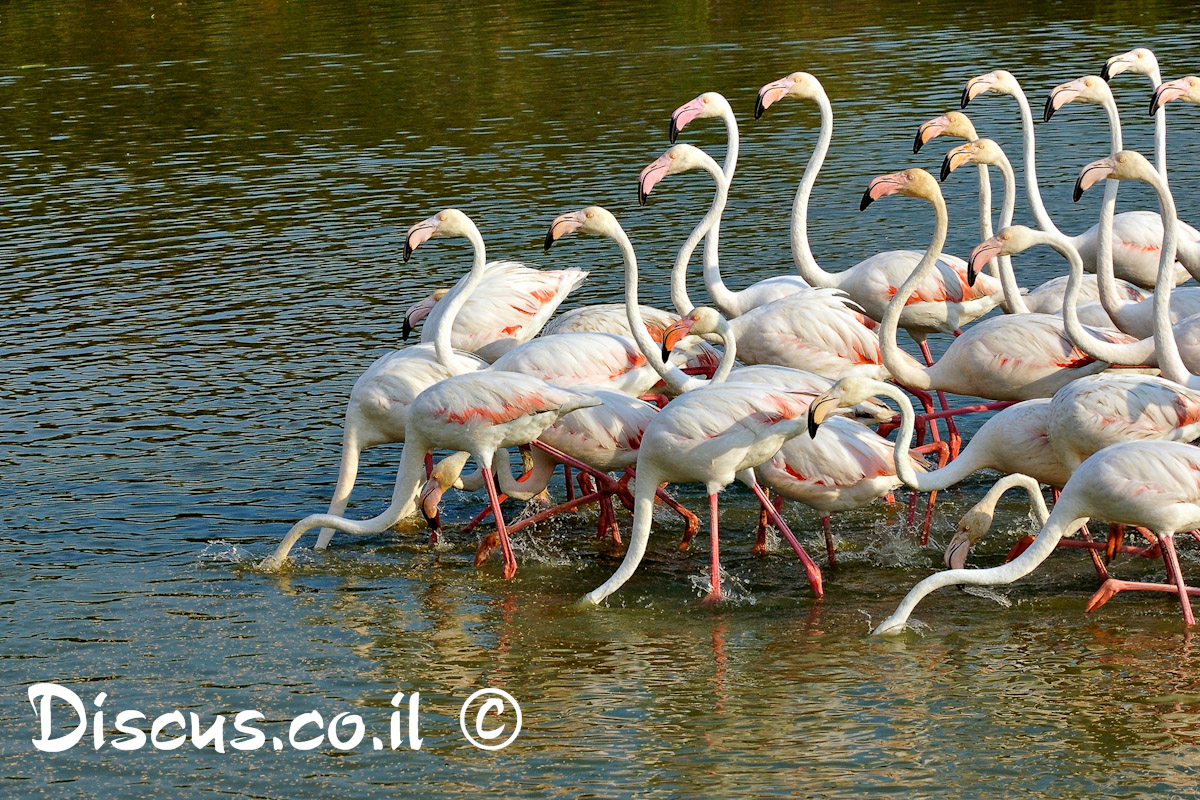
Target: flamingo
[976,523]
[505,309]
[819,330]
[477,412]
[1051,294]
[1150,484]
[1135,318]
[1142,61]
[1135,258]
[1011,357]
[730,303]
[941,301]
[713,433]
[1185,89]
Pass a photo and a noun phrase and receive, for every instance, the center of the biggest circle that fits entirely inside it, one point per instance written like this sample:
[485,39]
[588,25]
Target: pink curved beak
[419,234]
[957,551]
[929,131]
[562,225]
[976,87]
[1166,92]
[431,496]
[674,333]
[416,313]
[882,187]
[771,93]
[1061,95]
[955,159]
[1090,175]
[681,116]
[982,254]
[654,172]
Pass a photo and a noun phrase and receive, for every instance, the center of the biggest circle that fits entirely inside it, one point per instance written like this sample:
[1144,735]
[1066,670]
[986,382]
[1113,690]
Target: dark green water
[202,217]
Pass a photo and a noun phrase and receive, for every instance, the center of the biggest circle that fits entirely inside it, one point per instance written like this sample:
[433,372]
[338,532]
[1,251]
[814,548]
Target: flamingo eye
[672,156]
[705,101]
[1088,82]
[1120,159]
[589,215]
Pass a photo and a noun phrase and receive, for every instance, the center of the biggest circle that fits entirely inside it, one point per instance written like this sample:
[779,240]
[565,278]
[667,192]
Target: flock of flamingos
[1094,375]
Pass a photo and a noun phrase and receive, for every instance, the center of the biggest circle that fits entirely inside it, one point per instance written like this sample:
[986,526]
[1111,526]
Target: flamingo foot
[486,546]
[1113,586]
[1116,535]
[712,598]
[1020,547]
[510,570]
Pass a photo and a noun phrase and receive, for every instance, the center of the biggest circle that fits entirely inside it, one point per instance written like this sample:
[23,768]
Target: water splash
[988,594]
[219,551]
[734,590]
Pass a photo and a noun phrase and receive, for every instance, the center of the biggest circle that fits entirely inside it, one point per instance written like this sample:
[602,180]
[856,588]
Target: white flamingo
[1135,258]
[713,433]
[1141,60]
[1150,484]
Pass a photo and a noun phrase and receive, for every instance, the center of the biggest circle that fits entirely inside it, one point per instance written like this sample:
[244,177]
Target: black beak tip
[971,274]
[549,242]
[759,108]
[812,426]
[405,330]
[641,196]
[1154,104]
[1048,111]
[866,200]
[407,252]
[966,96]
[673,131]
[1077,192]
[945,170]
[1105,74]
[917,143]
[666,352]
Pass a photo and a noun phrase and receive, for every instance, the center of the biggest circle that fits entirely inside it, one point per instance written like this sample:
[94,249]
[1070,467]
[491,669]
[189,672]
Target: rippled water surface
[202,218]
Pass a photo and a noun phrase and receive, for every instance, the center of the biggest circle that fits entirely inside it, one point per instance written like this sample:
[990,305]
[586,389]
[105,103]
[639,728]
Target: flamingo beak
[415,314]
[683,115]
[982,253]
[769,94]
[929,131]
[953,160]
[957,551]
[654,172]
[674,333]
[881,187]
[976,87]
[1166,92]
[431,496]
[1113,67]
[562,225]
[1090,175]
[419,234]
[1059,96]
[818,411]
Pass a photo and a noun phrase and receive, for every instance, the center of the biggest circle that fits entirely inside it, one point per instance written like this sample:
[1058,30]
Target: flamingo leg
[760,533]
[691,523]
[1097,562]
[570,485]
[1168,548]
[714,575]
[1113,586]
[510,561]
[830,555]
[810,566]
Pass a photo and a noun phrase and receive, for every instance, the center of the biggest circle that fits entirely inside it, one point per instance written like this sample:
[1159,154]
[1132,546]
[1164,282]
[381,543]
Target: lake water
[202,218]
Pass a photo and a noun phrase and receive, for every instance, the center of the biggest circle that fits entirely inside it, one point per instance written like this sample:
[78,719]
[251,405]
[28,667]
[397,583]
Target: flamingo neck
[1160,129]
[1110,298]
[674,377]
[967,462]
[728,167]
[1066,518]
[729,356]
[1031,183]
[1008,279]
[707,229]
[905,370]
[802,254]
[1166,348]
[645,487]
[453,302]
[985,219]
[1013,481]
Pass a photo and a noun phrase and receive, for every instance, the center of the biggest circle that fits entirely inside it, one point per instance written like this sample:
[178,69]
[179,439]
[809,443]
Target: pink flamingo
[713,433]
[1185,89]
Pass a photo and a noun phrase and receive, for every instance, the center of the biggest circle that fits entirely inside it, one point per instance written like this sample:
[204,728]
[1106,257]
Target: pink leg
[1167,540]
[691,523]
[570,485]
[1112,586]
[510,561]
[714,594]
[830,556]
[810,566]
[1097,562]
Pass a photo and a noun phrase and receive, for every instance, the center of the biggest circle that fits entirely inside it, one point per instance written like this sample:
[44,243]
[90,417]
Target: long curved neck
[985,217]
[1008,279]
[802,254]
[674,377]
[707,224]
[644,489]
[1160,129]
[1066,518]
[1100,349]
[712,272]
[454,301]
[905,370]
[1031,183]
[1110,298]
[1165,346]
[957,470]
[1016,480]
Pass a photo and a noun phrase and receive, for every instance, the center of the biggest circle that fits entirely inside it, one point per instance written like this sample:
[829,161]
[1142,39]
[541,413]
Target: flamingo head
[709,104]
[974,525]
[701,321]
[848,391]
[1127,165]
[1139,59]
[912,182]
[444,224]
[680,158]
[419,311]
[1013,239]
[800,85]
[592,219]
[1089,89]
[442,478]
[952,123]
[999,81]
[1186,89]
[980,151]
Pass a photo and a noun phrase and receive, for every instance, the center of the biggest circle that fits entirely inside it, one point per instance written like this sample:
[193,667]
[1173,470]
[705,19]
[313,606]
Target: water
[203,212]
